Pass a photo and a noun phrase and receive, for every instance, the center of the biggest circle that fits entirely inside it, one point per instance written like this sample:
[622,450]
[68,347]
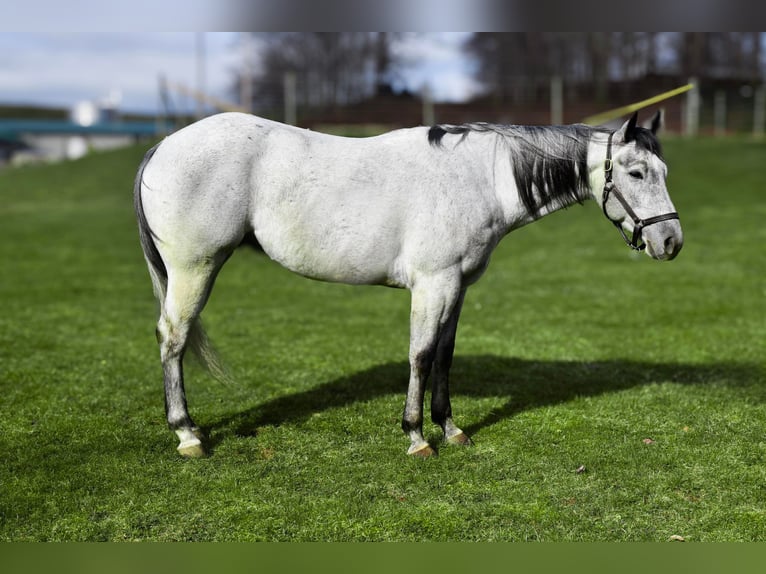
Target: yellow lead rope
[624,110]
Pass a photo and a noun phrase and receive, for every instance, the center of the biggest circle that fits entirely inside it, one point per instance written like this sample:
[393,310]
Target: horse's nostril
[673,246]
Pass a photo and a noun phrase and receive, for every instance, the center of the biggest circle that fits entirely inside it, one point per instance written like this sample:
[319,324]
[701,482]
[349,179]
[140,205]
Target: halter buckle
[608,164]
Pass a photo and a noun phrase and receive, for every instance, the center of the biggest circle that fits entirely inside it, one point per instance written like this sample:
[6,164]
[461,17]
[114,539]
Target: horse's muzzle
[664,241]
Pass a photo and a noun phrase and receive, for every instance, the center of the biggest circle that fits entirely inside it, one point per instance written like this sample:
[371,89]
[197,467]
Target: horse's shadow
[525,384]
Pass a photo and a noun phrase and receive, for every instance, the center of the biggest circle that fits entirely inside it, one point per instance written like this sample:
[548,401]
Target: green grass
[571,351]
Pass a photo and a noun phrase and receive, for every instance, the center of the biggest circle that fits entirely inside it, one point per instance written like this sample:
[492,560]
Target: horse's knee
[422,361]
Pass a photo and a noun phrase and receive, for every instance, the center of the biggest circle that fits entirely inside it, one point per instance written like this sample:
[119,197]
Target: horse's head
[635,197]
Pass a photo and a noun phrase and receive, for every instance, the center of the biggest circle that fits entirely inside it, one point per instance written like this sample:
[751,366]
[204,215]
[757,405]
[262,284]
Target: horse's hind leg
[187,291]
[441,409]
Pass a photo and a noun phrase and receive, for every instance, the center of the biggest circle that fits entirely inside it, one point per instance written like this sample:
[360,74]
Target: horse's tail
[197,341]
[157,270]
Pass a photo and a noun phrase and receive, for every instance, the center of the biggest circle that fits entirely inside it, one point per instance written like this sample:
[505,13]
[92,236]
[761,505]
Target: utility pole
[200,58]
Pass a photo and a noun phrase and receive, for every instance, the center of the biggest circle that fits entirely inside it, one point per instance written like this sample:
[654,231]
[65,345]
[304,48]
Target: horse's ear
[657,122]
[627,132]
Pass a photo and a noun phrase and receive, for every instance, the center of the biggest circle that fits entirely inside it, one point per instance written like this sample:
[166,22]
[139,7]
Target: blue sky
[60,69]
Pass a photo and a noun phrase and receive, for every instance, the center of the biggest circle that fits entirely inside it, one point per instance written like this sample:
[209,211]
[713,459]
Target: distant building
[92,126]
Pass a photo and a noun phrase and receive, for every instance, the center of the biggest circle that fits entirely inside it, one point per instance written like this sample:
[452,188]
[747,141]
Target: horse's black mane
[646,139]
[549,162]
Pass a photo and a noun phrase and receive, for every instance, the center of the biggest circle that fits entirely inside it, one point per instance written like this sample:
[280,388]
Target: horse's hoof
[461,439]
[192,449]
[423,452]
[190,442]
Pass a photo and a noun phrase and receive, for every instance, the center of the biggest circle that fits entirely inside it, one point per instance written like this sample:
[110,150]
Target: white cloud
[59,69]
[90,15]
[438,62]
[415,48]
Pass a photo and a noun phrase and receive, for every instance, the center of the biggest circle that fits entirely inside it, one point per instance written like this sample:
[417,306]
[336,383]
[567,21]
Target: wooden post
[759,115]
[429,117]
[719,113]
[291,113]
[246,76]
[557,101]
[692,110]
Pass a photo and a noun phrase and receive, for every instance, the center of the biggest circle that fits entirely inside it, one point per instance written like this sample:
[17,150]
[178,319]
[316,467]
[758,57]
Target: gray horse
[419,208]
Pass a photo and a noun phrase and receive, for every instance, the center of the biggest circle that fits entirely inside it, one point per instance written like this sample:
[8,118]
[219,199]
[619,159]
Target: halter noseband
[638,223]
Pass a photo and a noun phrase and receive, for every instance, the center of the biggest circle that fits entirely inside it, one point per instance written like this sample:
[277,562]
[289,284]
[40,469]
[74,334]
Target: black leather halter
[638,223]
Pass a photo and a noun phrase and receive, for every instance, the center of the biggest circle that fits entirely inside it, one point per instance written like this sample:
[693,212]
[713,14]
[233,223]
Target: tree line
[334,69]
[330,69]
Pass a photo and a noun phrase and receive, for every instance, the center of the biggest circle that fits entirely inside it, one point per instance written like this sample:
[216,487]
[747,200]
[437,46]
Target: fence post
[692,110]
[557,101]
[291,114]
[429,117]
[246,76]
[759,115]
[719,113]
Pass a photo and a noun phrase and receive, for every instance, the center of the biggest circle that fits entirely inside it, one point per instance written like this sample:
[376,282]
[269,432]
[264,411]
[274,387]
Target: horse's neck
[515,211]
[596,164]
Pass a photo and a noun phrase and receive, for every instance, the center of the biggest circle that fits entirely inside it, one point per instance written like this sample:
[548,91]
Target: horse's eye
[636,174]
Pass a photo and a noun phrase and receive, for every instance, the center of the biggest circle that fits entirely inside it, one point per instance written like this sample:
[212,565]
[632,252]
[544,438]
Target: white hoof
[192,449]
[190,445]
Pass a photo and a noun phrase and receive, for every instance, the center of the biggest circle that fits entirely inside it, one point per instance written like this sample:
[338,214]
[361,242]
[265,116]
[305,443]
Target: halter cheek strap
[610,189]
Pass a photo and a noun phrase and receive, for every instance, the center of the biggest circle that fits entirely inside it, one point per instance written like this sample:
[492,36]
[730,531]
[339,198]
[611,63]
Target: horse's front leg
[441,409]
[433,302]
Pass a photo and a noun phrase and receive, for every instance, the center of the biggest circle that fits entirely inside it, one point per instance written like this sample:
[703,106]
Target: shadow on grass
[525,384]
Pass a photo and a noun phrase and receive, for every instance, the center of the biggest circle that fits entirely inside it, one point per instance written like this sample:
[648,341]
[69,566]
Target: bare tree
[517,66]
[514,65]
[719,55]
[331,69]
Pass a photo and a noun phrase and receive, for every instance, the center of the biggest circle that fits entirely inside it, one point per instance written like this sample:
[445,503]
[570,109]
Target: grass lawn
[572,352]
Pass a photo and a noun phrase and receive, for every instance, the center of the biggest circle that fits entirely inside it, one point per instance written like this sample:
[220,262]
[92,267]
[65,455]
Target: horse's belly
[330,251]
